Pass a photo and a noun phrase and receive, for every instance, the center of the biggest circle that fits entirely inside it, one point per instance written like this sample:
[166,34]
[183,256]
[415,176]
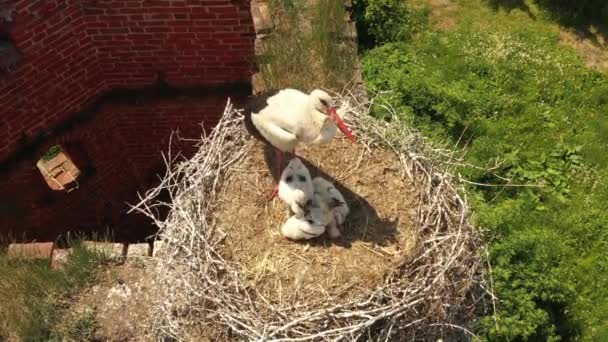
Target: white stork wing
[279,137]
[282,118]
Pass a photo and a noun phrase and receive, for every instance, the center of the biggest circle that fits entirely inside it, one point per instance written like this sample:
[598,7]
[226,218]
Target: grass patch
[79,326]
[308,49]
[31,293]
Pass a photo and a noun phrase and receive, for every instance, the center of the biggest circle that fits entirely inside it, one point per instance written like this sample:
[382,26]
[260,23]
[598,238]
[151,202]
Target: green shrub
[521,98]
[382,21]
[386,19]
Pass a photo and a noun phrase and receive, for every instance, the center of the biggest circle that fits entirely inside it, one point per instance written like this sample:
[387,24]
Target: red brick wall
[120,151]
[74,50]
[154,123]
[58,74]
[193,42]
[32,210]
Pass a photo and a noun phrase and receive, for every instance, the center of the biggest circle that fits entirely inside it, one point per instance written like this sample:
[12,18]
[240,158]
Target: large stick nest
[426,283]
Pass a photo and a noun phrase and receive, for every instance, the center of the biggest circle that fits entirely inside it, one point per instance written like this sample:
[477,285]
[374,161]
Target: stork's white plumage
[295,186]
[317,217]
[301,229]
[289,117]
[335,202]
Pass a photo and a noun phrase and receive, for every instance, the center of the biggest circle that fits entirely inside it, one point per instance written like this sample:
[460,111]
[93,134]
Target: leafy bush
[385,19]
[522,99]
[382,21]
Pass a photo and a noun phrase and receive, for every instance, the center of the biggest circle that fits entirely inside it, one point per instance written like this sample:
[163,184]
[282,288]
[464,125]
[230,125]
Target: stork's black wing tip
[256,103]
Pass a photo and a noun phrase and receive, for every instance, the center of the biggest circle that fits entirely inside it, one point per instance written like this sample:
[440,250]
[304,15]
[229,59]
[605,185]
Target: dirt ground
[120,300]
[378,232]
[442,13]
[593,47]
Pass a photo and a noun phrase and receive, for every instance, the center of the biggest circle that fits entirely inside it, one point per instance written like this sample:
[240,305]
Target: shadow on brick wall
[117,142]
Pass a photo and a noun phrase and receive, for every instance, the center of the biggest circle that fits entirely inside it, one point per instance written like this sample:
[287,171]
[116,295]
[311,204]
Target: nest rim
[428,293]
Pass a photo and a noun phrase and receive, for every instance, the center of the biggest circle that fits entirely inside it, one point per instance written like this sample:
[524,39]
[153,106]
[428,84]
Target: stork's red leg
[279,159]
[274,192]
[280,156]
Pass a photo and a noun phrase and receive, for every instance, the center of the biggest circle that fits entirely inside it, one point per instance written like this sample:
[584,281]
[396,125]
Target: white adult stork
[288,117]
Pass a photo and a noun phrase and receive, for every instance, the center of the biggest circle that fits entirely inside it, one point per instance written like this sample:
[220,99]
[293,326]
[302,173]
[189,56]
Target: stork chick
[295,186]
[300,229]
[313,224]
[329,194]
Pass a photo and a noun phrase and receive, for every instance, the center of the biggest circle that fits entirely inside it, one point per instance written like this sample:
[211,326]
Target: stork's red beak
[331,112]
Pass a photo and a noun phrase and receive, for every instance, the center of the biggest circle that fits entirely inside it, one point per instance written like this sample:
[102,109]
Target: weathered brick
[111,250]
[139,250]
[34,250]
[258,83]
[60,257]
[262,18]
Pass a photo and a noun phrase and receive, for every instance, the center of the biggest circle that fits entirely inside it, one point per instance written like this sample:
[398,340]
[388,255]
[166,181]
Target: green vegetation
[31,296]
[383,21]
[51,153]
[577,12]
[528,111]
[79,326]
[307,48]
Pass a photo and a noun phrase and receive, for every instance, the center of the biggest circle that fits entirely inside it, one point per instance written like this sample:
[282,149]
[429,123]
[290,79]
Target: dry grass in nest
[224,268]
[378,233]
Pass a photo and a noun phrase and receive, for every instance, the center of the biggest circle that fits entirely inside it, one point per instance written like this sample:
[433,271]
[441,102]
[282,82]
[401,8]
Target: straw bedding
[379,231]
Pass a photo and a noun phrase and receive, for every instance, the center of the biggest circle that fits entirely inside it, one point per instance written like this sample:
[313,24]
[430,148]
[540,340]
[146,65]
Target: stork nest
[407,266]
